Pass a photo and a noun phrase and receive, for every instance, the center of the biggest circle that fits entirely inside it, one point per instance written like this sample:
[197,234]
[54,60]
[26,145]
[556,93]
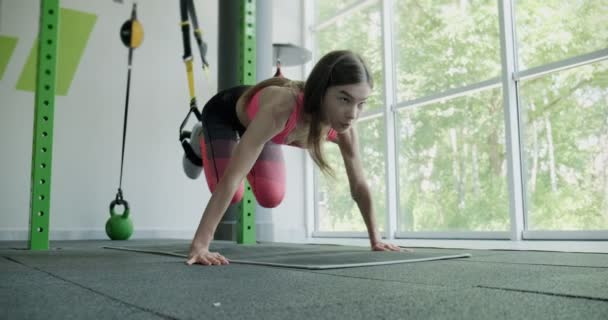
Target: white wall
[88,125]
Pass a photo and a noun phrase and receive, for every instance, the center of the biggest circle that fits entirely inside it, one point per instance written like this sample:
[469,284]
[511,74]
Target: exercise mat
[312,257]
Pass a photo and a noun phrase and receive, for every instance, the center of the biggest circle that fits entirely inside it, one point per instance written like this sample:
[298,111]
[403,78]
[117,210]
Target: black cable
[124,127]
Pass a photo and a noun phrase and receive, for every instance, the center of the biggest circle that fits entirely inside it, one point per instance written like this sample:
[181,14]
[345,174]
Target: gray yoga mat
[313,258]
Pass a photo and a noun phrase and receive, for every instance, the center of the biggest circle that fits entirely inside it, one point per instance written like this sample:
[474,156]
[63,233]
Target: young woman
[274,112]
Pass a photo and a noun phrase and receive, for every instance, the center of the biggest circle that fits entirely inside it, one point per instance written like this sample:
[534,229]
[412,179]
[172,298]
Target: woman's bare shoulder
[278,100]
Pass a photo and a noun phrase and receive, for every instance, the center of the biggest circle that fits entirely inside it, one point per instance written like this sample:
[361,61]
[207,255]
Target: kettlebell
[119,226]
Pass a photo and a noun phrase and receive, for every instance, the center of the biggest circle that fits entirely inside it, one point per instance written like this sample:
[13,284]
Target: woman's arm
[349,148]
[267,123]
[359,189]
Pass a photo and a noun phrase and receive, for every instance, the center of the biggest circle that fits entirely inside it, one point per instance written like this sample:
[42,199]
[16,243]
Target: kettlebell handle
[121,202]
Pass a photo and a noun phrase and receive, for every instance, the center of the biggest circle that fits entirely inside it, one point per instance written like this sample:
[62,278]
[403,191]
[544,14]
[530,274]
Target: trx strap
[187,9]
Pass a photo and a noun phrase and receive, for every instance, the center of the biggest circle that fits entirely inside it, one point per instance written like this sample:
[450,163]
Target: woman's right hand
[205,257]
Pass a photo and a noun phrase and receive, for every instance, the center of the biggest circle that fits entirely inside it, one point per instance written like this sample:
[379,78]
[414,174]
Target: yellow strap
[190,77]
[184,23]
[199,31]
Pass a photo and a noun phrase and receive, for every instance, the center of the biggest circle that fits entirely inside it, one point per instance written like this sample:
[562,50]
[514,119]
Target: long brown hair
[341,67]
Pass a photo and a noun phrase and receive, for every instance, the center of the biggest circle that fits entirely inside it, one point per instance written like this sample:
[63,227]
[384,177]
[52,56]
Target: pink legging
[267,177]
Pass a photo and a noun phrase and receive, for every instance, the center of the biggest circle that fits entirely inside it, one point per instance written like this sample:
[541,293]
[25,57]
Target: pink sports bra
[290,125]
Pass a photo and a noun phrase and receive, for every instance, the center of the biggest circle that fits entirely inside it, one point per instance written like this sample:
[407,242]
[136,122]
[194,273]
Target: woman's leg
[221,130]
[217,144]
[267,177]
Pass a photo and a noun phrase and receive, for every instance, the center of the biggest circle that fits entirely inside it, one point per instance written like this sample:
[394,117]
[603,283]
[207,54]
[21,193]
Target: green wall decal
[74,30]
[7,45]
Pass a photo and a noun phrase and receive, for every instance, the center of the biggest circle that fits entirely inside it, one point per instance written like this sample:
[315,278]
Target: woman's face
[343,104]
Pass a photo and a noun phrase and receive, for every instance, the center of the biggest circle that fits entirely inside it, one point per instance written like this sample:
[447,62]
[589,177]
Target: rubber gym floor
[82,280]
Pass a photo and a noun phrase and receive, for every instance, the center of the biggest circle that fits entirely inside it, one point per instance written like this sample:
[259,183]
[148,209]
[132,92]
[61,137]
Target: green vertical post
[43,126]
[246,217]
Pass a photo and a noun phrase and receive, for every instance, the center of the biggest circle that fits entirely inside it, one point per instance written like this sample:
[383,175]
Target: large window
[454,157]
[566,143]
[452,173]
[549,31]
[444,44]
[337,211]
[565,112]
[361,32]
[452,165]
[326,9]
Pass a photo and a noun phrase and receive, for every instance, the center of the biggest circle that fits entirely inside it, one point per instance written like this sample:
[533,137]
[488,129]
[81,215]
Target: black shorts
[220,110]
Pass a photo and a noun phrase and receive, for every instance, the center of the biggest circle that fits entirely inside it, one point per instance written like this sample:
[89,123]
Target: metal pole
[40,201]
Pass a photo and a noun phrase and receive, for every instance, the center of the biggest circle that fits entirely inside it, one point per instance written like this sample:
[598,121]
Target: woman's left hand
[381,246]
